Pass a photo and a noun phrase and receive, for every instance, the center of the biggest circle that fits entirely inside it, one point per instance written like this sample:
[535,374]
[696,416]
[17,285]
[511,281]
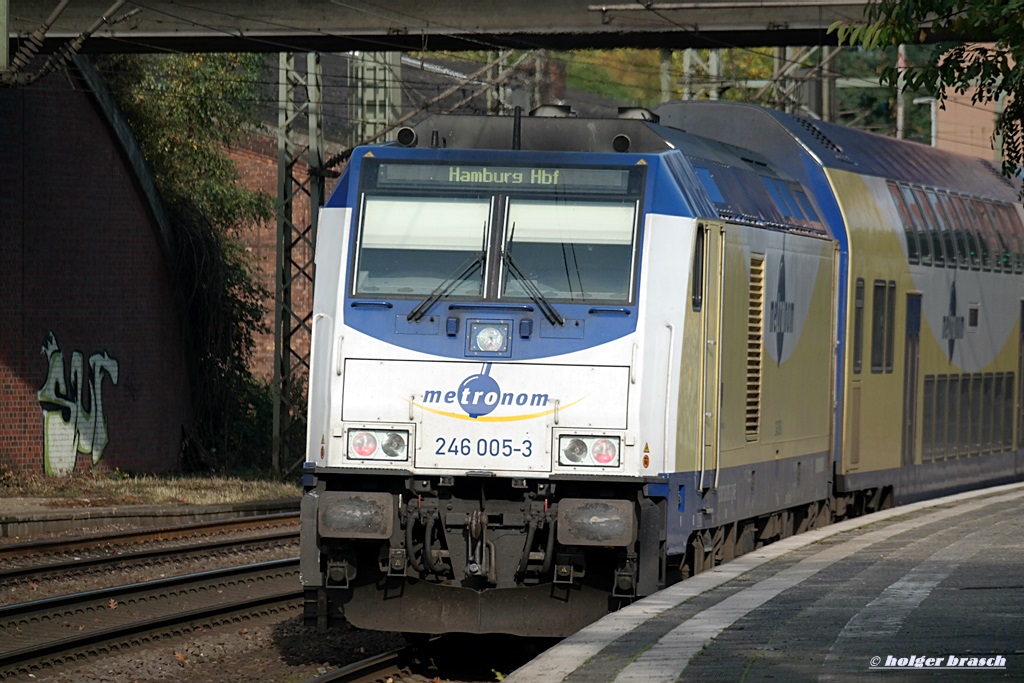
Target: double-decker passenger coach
[559,363]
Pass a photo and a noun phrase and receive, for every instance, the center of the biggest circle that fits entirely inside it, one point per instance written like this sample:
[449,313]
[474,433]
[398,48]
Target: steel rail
[57,630]
[377,668]
[167,533]
[80,565]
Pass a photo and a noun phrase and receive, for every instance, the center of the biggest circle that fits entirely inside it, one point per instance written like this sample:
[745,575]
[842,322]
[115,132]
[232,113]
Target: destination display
[502,178]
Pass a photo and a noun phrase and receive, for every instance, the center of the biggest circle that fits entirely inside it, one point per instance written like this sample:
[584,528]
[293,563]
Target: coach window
[964,430]
[773,192]
[1003,238]
[928,423]
[986,229]
[878,310]
[890,324]
[973,234]
[805,204]
[946,230]
[952,415]
[1008,412]
[977,414]
[919,225]
[1005,235]
[1012,229]
[697,284]
[965,230]
[913,253]
[996,439]
[989,412]
[1013,219]
[986,237]
[787,197]
[1012,222]
[858,325]
[1000,251]
[941,446]
[939,257]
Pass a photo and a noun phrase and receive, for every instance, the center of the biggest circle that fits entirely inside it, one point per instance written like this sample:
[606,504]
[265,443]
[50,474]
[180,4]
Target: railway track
[63,630]
[389,665]
[37,562]
[50,547]
[67,631]
[458,658]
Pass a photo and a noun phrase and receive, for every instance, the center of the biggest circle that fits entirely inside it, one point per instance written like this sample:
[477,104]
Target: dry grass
[118,488]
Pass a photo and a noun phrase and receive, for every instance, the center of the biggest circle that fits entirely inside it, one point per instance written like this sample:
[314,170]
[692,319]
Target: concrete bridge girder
[336,25]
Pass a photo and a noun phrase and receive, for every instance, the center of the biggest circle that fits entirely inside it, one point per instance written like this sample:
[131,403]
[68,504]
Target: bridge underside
[336,26]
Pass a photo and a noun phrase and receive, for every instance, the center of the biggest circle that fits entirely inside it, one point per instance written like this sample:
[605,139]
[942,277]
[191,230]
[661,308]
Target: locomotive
[559,363]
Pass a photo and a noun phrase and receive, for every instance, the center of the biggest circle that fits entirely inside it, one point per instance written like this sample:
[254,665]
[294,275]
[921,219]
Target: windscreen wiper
[446,286]
[552,315]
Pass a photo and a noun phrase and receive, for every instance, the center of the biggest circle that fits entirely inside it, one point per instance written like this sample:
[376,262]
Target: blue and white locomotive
[560,363]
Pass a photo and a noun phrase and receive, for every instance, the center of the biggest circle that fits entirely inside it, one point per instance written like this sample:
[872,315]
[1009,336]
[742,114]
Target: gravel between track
[267,652]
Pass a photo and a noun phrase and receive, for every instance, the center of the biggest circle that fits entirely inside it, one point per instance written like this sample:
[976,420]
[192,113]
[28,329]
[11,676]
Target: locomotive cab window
[569,250]
[565,234]
[410,245]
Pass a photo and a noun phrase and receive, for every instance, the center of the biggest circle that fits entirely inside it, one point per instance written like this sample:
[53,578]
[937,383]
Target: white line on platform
[668,657]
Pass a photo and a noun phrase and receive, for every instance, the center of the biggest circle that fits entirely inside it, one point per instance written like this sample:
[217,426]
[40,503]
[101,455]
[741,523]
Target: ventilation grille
[755,337]
[825,140]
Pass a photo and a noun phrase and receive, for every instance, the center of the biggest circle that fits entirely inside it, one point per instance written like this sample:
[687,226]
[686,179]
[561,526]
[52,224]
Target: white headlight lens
[394,445]
[490,339]
[575,451]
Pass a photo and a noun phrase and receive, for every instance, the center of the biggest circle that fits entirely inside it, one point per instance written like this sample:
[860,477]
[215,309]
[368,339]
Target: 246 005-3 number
[483,447]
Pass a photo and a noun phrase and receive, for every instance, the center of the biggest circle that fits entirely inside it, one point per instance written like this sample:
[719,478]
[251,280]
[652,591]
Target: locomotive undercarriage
[462,552]
[708,548]
[484,556]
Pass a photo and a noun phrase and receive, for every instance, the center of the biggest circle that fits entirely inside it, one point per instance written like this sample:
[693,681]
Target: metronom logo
[478,395]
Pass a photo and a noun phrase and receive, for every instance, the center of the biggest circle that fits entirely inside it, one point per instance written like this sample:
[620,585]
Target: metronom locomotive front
[560,363]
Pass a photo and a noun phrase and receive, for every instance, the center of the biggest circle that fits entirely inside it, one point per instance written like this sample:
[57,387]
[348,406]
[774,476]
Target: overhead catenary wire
[341,156]
[72,47]
[385,45]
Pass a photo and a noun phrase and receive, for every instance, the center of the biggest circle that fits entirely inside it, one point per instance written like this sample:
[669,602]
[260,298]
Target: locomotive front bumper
[355,514]
[594,522]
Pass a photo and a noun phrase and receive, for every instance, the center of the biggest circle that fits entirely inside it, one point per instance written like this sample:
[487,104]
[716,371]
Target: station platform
[930,589]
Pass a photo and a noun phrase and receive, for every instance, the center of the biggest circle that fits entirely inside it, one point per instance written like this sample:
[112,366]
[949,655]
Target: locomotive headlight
[378,444]
[490,339]
[588,451]
[394,445]
[575,450]
[487,338]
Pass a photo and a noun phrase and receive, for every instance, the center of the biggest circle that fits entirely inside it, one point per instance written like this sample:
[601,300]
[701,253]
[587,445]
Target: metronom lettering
[488,398]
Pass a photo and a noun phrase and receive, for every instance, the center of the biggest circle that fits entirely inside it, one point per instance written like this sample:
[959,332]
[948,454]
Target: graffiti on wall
[71,425]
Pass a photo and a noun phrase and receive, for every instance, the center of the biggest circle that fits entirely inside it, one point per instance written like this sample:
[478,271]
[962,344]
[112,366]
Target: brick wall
[256,159]
[81,265]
